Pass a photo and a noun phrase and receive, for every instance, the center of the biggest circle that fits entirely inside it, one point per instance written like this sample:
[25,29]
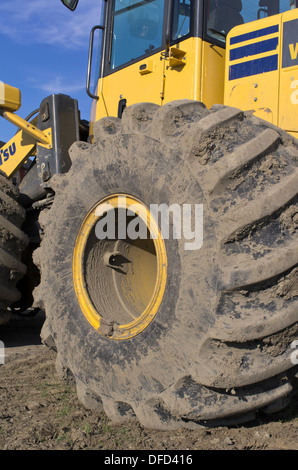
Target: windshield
[223,15]
[137,29]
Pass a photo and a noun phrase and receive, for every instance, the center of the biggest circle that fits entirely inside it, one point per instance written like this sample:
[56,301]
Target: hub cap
[119,267]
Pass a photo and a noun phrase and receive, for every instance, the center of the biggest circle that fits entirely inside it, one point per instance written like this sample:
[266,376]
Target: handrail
[90,61]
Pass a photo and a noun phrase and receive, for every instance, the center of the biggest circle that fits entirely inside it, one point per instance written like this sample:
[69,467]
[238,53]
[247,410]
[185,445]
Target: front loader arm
[47,137]
[15,152]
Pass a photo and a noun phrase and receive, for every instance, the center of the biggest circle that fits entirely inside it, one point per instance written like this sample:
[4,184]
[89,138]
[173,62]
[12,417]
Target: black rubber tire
[13,242]
[219,348]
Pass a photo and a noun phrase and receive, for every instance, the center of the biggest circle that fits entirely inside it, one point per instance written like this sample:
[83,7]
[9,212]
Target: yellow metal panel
[193,70]
[43,137]
[252,67]
[10,97]
[15,152]
[294,134]
[202,76]
[183,71]
[131,84]
[213,69]
[288,100]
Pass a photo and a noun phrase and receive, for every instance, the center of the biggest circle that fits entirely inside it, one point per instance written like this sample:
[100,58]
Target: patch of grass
[87,429]
[107,428]
[64,411]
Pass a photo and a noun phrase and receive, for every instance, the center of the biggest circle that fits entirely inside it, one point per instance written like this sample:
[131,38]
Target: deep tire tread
[254,315]
[13,242]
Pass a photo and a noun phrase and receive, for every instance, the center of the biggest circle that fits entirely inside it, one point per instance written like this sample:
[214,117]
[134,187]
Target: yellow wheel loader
[161,237]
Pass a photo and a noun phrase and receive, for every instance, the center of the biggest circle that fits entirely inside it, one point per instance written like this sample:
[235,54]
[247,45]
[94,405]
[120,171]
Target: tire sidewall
[91,356]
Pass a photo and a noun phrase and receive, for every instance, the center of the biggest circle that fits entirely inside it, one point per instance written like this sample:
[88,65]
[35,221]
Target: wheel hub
[119,273]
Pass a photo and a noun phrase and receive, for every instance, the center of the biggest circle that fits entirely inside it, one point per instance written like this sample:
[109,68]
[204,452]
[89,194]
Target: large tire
[219,347]
[13,242]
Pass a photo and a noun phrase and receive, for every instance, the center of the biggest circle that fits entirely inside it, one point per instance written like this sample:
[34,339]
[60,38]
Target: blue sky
[45,50]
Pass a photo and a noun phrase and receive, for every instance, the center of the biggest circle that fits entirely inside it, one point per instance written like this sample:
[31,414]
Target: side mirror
[71,4]
[10,97]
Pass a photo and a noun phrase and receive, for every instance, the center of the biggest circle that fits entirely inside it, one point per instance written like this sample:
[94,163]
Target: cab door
[182,63]
[134,68]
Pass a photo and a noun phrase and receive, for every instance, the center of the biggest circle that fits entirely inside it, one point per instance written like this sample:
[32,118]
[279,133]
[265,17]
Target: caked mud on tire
[219,347]
[13,241]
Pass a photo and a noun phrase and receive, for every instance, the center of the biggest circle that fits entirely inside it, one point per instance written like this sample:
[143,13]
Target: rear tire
[13,242]
[218,347]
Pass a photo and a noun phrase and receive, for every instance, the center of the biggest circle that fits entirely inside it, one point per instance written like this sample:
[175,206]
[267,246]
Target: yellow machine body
[22,145]
[257,71]
[10,97]
[193,70]
[261,73]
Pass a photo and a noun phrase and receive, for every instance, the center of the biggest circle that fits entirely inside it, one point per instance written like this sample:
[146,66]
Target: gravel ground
[39,411]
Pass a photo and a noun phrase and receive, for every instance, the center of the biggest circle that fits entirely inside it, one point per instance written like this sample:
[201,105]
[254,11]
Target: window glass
[181,18]
[137,29]
[223,15]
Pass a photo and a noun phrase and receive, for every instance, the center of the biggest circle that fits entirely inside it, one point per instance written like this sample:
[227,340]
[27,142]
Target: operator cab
[163,50]
[136,29]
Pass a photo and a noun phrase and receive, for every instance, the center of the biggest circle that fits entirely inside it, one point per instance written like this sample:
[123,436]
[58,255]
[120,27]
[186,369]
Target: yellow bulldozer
[160,238]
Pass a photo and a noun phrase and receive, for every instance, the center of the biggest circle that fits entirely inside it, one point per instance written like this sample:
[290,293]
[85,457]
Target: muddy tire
[13,242]
[218,347]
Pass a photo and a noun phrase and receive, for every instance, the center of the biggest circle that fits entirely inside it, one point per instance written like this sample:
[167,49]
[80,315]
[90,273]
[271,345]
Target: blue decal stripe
[253,67]
[254,34]
[253,49]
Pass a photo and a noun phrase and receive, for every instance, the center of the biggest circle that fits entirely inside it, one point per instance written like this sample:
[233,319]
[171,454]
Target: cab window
[223,15]
[137,28]
[181,19]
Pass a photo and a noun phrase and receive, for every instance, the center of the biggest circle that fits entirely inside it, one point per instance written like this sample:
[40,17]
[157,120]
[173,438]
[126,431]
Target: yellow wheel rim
[119,280]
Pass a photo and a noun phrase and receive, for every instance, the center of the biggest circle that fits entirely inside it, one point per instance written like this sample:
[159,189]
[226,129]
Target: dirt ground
[39,411]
